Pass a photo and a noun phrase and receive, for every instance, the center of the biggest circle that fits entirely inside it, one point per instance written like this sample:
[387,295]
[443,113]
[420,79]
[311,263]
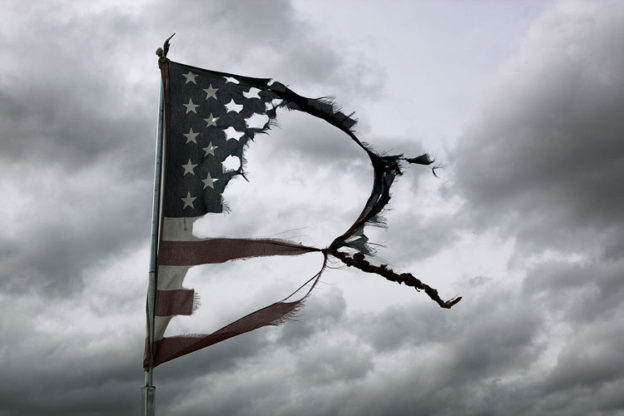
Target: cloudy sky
[519,102]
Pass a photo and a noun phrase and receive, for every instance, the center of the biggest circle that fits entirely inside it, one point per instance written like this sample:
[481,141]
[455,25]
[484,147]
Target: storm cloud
[525,220]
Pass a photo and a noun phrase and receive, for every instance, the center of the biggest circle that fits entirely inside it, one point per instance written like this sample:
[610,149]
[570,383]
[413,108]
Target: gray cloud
[585,294]
[77,102]
[545,154]
[392,363]
[540,165]
[78,105]
[74,141]
[591,361]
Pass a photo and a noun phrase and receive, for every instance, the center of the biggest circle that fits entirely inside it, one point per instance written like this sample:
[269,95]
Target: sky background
[519,102]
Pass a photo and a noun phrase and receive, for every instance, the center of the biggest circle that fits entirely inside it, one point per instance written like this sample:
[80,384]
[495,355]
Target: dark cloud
[66,98]
[264,39]
[320,312]
[544,156]
[539,165]
[391,363]
[591,361]
[586,292]
[73,224]
[72,374]
[78,103]
[75,135]
[425,237]
[78,108]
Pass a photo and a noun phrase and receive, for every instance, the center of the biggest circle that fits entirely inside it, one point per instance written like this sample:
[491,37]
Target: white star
[274,103]
[211,121]
[190,106]
[232,133]
[231,80]
[209,182]
[188,201]
[252,93]
[191,136]
[211,92]
[257,121]
[189,168]
[190,77]
[209,150]
[232,106]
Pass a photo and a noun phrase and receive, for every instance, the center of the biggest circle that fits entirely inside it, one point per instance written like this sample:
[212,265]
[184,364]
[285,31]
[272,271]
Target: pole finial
[162,52]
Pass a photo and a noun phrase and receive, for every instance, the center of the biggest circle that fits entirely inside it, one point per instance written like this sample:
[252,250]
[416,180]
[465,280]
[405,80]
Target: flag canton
[212,116]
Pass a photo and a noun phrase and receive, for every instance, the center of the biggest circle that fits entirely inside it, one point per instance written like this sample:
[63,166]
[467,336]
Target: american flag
[212,117]
[209,117]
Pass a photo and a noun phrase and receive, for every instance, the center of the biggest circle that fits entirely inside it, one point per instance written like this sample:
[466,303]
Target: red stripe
[169,348]
[172,347]
[220,250]
[174,302]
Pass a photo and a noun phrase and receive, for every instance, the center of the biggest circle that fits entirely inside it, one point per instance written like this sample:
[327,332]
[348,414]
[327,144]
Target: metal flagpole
[148,390]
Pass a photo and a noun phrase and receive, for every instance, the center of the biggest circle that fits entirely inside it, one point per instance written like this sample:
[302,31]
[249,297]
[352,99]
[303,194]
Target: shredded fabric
[210,116]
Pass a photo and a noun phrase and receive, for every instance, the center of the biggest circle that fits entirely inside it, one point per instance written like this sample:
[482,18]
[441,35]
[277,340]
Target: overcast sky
[519,102]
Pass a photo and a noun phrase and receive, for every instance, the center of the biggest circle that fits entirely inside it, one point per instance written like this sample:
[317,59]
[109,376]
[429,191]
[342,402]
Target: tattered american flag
[210,116]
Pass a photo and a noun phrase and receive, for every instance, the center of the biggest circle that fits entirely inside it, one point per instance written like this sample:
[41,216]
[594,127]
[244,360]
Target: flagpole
[148,391]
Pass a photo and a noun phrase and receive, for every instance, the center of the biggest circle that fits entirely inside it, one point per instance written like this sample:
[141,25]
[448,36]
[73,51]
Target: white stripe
[171,277]
[178,229]
[160,324]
